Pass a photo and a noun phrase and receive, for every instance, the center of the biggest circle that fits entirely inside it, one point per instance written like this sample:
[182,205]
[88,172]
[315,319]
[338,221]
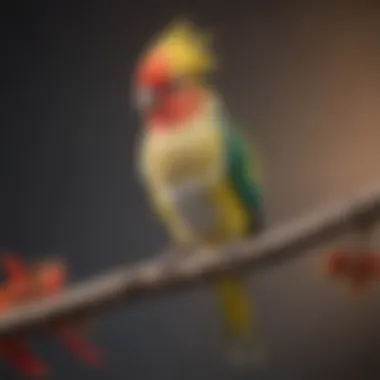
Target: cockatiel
[199,174]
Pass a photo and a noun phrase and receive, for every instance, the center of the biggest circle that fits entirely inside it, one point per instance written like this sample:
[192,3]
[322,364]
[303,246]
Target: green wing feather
[241,171]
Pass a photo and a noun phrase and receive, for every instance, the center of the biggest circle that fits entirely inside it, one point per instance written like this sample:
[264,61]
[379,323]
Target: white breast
[195,207]
[183,154]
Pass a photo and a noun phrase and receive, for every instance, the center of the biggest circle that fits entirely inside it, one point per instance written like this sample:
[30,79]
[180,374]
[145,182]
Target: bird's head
[169,80]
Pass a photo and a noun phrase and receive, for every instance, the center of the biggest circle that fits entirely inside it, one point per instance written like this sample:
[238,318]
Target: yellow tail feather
[235,305]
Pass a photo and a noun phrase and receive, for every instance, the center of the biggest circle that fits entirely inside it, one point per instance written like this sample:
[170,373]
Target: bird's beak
[145,99]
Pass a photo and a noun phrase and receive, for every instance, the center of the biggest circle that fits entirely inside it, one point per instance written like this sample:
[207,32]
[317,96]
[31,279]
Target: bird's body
[202,186]
[200,176]
[198,187]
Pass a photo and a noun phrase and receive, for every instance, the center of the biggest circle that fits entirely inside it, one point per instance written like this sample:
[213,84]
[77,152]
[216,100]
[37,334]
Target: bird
[202,178]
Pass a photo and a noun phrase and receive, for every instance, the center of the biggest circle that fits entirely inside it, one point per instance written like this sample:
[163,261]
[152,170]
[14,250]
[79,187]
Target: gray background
[302,79]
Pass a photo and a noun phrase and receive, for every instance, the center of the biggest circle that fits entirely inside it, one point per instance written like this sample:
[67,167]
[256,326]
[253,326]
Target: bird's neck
[177,110]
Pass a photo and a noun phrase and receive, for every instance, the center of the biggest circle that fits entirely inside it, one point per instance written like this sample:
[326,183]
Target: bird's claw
[174,255]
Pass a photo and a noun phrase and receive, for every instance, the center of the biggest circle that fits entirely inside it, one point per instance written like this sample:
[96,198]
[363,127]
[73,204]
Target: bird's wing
[243,173]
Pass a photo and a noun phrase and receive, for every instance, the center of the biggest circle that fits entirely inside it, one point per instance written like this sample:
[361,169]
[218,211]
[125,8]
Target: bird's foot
[175,254]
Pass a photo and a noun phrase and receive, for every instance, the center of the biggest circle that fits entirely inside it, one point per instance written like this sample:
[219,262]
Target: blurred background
[302,79]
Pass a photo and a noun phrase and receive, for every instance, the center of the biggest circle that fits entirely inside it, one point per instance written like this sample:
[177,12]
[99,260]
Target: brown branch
[160,275]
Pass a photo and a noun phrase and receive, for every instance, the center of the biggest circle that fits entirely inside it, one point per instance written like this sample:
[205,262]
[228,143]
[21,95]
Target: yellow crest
[187,49]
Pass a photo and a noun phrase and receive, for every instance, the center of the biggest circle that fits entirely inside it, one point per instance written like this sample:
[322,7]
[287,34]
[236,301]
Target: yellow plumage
[233,222]
[196,152]
[192,151]
[186,49]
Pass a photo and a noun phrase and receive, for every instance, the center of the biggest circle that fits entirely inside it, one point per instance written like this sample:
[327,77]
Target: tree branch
[162,275]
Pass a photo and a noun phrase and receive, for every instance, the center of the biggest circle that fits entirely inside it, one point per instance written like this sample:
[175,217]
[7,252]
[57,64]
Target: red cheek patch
[153,72]
[177,107]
